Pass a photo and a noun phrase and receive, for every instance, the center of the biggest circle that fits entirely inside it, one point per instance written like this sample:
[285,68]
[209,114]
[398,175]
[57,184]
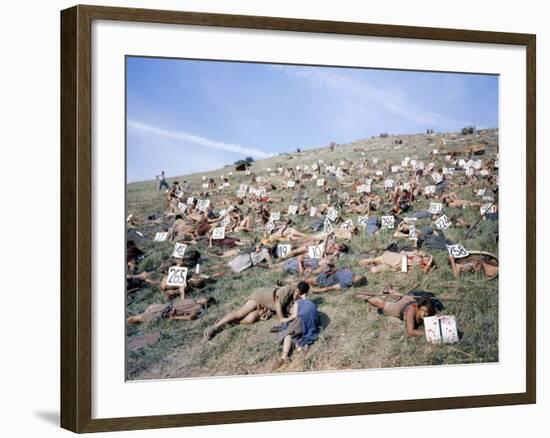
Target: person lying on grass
[406,308]
[260,305]
[186,310]
[137,281]
[392,261]
[300,329]
[335,279]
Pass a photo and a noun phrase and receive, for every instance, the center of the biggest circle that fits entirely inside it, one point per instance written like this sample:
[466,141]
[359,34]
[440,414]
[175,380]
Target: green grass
[356,336]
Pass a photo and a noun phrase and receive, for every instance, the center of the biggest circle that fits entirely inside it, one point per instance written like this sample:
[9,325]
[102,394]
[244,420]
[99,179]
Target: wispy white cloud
[187,137]
[365,93]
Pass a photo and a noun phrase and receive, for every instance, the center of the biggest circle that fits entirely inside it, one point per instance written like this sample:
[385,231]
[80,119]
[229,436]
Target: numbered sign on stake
[218,233]
[283,250]
[177,276]
[488,208]
[412,232]
[457,251]
[388,222]
[347,225]
[443,222]
[179,250]
[436,207]
[161,237]
[292,209]
[362,220]
[315,252]
[332,214]
[327,226]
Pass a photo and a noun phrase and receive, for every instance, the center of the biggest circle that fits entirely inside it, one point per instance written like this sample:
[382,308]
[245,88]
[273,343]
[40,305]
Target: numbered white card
[457,251]
[379,173]
[320,182]
[177,276]
[203,204]
[292,209]
[269,227]
[205,186]
[412,232]
[283,250]
[435,151]
[484,172]
[437,178]
[436,207]
[429,190]
[204,177]
[362,220]
[469,172]
[388,184]
[182,207]
[332,214]
[347,225]
[388,222]
[315,252]
[290,184]
[441,329]
[275,216]
[488,208]
[190,200]
[481,192]
[327,226]
[218,233]
[179,250]
[363,188]
[313,211]
[443,222]
[395,169]
[406,186]
[161,237]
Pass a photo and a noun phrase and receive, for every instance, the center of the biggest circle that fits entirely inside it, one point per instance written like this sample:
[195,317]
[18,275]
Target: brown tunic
[266,297]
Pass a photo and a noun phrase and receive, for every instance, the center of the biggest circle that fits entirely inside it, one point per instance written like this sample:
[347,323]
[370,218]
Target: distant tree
[249,160]
[468,130]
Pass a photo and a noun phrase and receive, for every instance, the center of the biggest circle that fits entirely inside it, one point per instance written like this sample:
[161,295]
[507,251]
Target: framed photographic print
[268,218]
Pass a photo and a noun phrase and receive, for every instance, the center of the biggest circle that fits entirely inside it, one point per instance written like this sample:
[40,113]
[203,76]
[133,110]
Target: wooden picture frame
[76,218]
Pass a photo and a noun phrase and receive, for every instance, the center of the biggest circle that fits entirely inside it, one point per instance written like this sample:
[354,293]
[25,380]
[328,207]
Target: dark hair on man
[192,257]
[303,287]
[428,304]
[344,248]
[358,280]
[178,216]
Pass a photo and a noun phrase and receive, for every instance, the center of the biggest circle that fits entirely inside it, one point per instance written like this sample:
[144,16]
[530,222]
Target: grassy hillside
[355,336]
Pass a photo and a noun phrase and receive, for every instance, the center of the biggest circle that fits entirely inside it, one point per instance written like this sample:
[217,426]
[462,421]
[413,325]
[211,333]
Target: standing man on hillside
[162,181]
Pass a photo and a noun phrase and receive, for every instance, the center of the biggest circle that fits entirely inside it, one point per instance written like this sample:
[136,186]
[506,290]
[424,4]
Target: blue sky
[187,116]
